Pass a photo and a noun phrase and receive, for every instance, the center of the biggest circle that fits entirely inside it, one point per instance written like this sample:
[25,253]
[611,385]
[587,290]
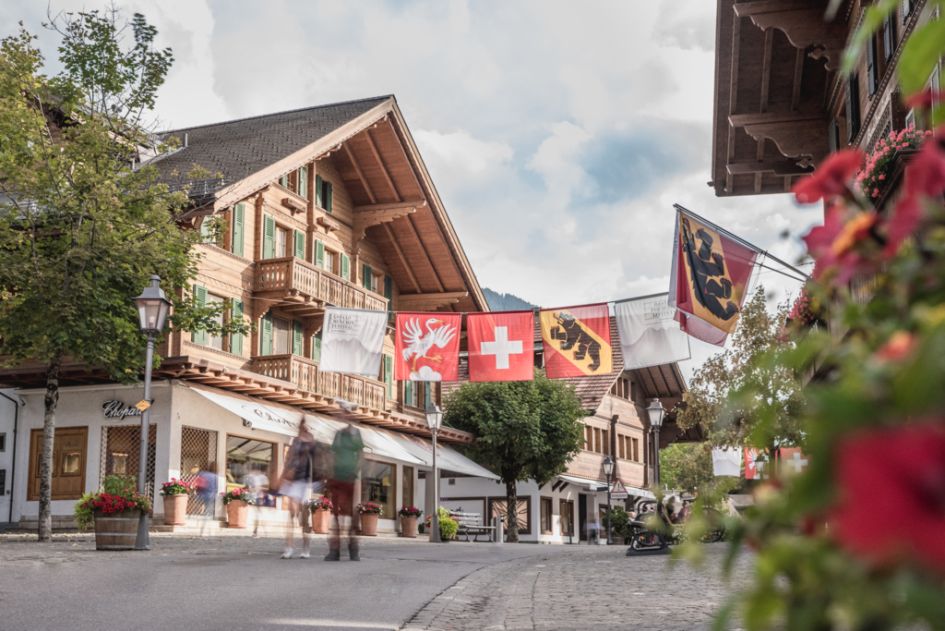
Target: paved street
[240,583]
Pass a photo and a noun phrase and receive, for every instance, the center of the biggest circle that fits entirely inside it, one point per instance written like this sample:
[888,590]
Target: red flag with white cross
[501,346]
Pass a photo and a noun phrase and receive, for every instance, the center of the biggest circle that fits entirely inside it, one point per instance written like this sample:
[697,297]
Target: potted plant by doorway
[236,501]
[369,512]
[321,514]
[176,493]
[408,521]
[114,511]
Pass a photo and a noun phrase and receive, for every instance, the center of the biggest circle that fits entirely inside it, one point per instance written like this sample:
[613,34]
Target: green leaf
[873,19]
[920,55]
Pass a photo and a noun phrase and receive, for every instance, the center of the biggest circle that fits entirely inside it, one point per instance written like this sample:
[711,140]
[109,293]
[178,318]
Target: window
[853,107]
[331,262]
[68,463]
[588,439]
[621,447]
[215,340]
[281,336]
[378,484]
[121,452]
[872,71]
[889,38]
[546,515]
[907,7]
[282,238]
[415,394]
[246,455]
[566,509]
[208,232]
[635,444]
[598,443]
[367,277]
[301,180]
[323,194]
[606,437]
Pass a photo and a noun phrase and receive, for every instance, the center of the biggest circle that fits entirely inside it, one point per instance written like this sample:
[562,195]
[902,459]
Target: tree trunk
[511,511]
[50,402]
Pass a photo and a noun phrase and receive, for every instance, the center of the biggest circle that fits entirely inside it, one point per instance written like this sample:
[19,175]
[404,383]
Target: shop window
[68,463]
[245,456]
[522,515]
[546,515]
[566,510]
[378,485]
[121,453]
[198,452]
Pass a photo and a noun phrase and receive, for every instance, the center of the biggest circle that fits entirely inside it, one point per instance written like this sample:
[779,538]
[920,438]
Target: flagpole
[744,242]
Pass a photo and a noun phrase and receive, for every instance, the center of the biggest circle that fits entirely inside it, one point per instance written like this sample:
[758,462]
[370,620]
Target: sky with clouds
[559,134]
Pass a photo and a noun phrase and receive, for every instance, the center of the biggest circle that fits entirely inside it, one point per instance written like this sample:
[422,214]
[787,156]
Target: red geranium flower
[833,244]
[924,177]
[831,178]
[892,495]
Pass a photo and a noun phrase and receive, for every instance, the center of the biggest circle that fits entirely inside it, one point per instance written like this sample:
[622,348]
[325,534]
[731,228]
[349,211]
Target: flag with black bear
[576,341]
[709,278]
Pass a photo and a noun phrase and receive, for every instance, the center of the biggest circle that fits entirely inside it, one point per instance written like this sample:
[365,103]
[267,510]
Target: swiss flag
[501,346]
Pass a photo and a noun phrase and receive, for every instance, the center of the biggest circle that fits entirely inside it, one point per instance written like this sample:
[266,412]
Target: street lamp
[434,419]
[655,411]
[609,472]
[153,307]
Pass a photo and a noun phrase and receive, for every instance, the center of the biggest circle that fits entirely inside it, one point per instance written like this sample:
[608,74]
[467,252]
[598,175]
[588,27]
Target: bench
[471,524]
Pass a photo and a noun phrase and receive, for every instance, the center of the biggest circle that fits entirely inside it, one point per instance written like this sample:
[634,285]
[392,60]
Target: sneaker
[287,553]
[304,554]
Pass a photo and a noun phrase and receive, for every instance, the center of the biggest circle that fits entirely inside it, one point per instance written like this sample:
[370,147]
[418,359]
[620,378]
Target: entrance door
[582,517]
[6,448]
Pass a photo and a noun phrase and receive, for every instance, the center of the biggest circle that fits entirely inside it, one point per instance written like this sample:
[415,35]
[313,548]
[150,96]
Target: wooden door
[70,445]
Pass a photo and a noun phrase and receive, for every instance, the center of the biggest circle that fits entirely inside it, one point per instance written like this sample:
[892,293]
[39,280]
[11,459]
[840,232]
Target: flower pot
[321,519]
[175,509]
[369,524]
[408,526]
[116,531]
[236,514]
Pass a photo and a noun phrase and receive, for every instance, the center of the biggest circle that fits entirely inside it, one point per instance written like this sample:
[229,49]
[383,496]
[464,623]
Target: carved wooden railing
[293,274]
[304,373]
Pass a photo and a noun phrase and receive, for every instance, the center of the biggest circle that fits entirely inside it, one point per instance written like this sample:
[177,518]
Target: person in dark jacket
[347,449]
[296,485]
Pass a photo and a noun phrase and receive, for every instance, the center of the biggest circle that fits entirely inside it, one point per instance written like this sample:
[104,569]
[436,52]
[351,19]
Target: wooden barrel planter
[116,531]
[175,510]
[321,519]
[408,526]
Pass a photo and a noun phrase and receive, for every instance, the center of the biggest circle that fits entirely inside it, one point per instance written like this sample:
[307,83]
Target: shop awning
[410,450]
[601,487]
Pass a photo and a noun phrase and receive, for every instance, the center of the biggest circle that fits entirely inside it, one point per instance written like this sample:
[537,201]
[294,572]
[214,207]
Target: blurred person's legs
[342,497]
[297,496]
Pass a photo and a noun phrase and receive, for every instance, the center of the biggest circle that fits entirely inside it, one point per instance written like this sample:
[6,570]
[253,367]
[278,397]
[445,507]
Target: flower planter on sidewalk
[321,519]
[369,524]
[175,509]
[408,526]
[236,514]
[116,531]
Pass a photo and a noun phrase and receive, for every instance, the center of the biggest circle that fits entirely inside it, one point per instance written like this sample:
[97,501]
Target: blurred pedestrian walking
[258,484]
[347,449]
[207,485]
[296,486]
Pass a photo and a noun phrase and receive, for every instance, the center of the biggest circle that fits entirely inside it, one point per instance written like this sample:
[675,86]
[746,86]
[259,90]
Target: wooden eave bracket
[326,222]
[293,205]
[430,301]
[797,136]
[376,214]
[803,25]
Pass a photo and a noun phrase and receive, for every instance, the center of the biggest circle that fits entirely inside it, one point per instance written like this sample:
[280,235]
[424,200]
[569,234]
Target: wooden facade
[327,206]
[780,103]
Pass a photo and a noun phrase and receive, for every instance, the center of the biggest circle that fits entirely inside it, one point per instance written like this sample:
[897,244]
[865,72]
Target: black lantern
[153,307]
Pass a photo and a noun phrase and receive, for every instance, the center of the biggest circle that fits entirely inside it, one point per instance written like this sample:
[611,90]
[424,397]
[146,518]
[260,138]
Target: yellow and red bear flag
[576,341]
[427,346]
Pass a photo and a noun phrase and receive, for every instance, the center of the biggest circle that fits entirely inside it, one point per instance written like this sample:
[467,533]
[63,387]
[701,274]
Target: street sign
[143,405]
[618,491]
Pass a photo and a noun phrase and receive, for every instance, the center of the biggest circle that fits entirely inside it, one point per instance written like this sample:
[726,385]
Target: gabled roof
[239,148]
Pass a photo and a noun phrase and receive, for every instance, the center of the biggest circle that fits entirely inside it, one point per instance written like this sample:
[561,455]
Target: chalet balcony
[304,373]
[304,289]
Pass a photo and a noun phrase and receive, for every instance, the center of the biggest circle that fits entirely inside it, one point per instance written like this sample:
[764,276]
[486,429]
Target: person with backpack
[296,486]
[347,449]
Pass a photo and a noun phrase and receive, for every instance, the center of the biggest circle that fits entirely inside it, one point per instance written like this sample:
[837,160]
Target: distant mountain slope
[505,302]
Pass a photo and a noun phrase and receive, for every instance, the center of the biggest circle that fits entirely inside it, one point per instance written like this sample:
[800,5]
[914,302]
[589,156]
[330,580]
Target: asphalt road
[241,583]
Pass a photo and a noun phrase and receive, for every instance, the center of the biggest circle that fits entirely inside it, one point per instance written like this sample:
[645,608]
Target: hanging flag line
[744,242]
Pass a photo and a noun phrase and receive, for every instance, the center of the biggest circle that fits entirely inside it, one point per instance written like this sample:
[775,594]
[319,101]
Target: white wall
[7,422]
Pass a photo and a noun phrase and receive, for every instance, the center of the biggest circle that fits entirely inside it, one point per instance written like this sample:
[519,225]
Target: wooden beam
[798,76]
[357,169]
[380,162]
[778,167]
[401,257]
[766,70]
[431,300]
[426,254]
[367,218]
[414,204]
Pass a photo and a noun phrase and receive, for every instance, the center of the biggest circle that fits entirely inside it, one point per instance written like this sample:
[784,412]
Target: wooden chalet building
[328,205]
[563,510]
[780,104]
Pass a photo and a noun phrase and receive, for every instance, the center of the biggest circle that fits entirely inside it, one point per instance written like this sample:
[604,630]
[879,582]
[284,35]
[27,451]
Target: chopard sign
[119,409]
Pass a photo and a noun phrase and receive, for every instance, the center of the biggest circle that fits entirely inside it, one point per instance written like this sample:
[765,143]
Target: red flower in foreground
[833,244]
[831,178]
[899,346]
[925,99]
[892,495]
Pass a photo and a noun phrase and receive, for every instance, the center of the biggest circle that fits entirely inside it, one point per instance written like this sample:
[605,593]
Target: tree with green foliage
[746,396]
[82,224]
[524,430]
[686,466]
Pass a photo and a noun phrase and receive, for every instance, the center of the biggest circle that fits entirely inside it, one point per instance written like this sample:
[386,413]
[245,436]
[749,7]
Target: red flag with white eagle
[427,346]
[501,346]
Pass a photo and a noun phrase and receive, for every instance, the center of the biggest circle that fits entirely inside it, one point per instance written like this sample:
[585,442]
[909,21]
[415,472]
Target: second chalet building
[328,205]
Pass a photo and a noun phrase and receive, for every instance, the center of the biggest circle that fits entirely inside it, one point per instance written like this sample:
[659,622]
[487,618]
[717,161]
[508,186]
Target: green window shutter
[265,335]
[318,191]
[299,245]
[236,239]
[389,375]
[319,254]
[388,287]
[236,315]
[297,339]
[367,277]
[408,393]
[206,235]
[328,196]
[303,182]
[200,297]
[317,347]
[284,181]
[427,391]
[269,237]
[345,266]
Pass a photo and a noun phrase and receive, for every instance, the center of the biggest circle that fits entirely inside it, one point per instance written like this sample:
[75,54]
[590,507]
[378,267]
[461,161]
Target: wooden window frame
[570,522]
[36,441]
[545,513]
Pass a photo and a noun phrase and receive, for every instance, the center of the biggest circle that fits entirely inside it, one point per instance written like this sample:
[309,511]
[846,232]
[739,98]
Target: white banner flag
[649,336]
[726,461]
[353,341]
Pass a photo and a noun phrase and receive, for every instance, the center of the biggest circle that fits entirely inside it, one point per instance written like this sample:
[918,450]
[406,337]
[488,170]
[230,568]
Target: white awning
[601,487]
[410,450]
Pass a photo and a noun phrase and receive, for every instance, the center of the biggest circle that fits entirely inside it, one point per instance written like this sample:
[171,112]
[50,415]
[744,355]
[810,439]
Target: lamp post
[655,411]
[153,307]
[609,472]
[434,419]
